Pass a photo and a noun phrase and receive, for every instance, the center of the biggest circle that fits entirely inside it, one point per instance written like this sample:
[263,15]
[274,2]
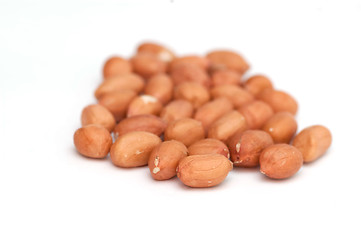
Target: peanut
[280,161]
[282,127]
[177,109]
[185,130]
[257,83]
[313,142]
[117,102]
[246,147]
[116,66]
[237,95]
[208,146]
[187,72]
[93,141]
[160,86]
[224,59]
[97,114]
[133,149]
[193,92]
[212,111]
[227,125]
[121,82]
[147,65]
[164,159]
[256,113]
[226,76]
[146,123]
[203,170]
[279,101]
[144,104]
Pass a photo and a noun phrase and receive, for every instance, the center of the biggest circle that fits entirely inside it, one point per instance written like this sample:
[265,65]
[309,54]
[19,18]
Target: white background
[51,55]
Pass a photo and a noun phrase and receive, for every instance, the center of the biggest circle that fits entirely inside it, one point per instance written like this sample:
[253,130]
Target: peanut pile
[195,117]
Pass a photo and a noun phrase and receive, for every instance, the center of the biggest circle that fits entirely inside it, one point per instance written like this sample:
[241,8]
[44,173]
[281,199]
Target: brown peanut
[121,82]
[279,101]
[256,113]
[201,62]
[203,170]
[226,76]
[97,114]
[246,147]
[144,104]
[133,149]
[117,102]
[282,127]
[93,141]
[147,65]
[160,86]
[280,161]
[208,146]
[313,142]
[185,130]
[177,109]
[164,159]
[187,72]
[115,66]
[146,123]
[211,111]
[237,95]
[227,125]
[257,83]
[224,59]
[161,52]
[193,92]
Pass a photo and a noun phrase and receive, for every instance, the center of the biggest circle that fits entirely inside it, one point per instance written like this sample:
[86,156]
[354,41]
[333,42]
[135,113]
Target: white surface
[51,56]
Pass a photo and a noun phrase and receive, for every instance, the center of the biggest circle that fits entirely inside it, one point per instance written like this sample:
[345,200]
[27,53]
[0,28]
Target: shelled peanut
[195,117]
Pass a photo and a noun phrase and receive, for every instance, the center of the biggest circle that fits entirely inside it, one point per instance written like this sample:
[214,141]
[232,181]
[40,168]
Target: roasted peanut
[237,95]
[256,113]
[177,109]
[187,72]
[160,86]
[280,161]
[282,127]
[117,102]
[193,92]
[144,104]
[211,111]
[161,52]
[227,125]
[203,170]
[121,82]
[116,66]
[279,101]
[208,146]
[147,65]
[201,62]
[146,123]
[133,149]
[224,59]
[164,159]
[185,130]
[257,83]
[313,142]
[97,114]
[246,147]
[226,76]
[93,141]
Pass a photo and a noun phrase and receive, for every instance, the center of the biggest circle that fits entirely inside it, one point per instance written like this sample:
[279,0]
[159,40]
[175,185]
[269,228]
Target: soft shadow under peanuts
[246,170]
[319,160]
[82,157]
[266,179]
[213,188]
